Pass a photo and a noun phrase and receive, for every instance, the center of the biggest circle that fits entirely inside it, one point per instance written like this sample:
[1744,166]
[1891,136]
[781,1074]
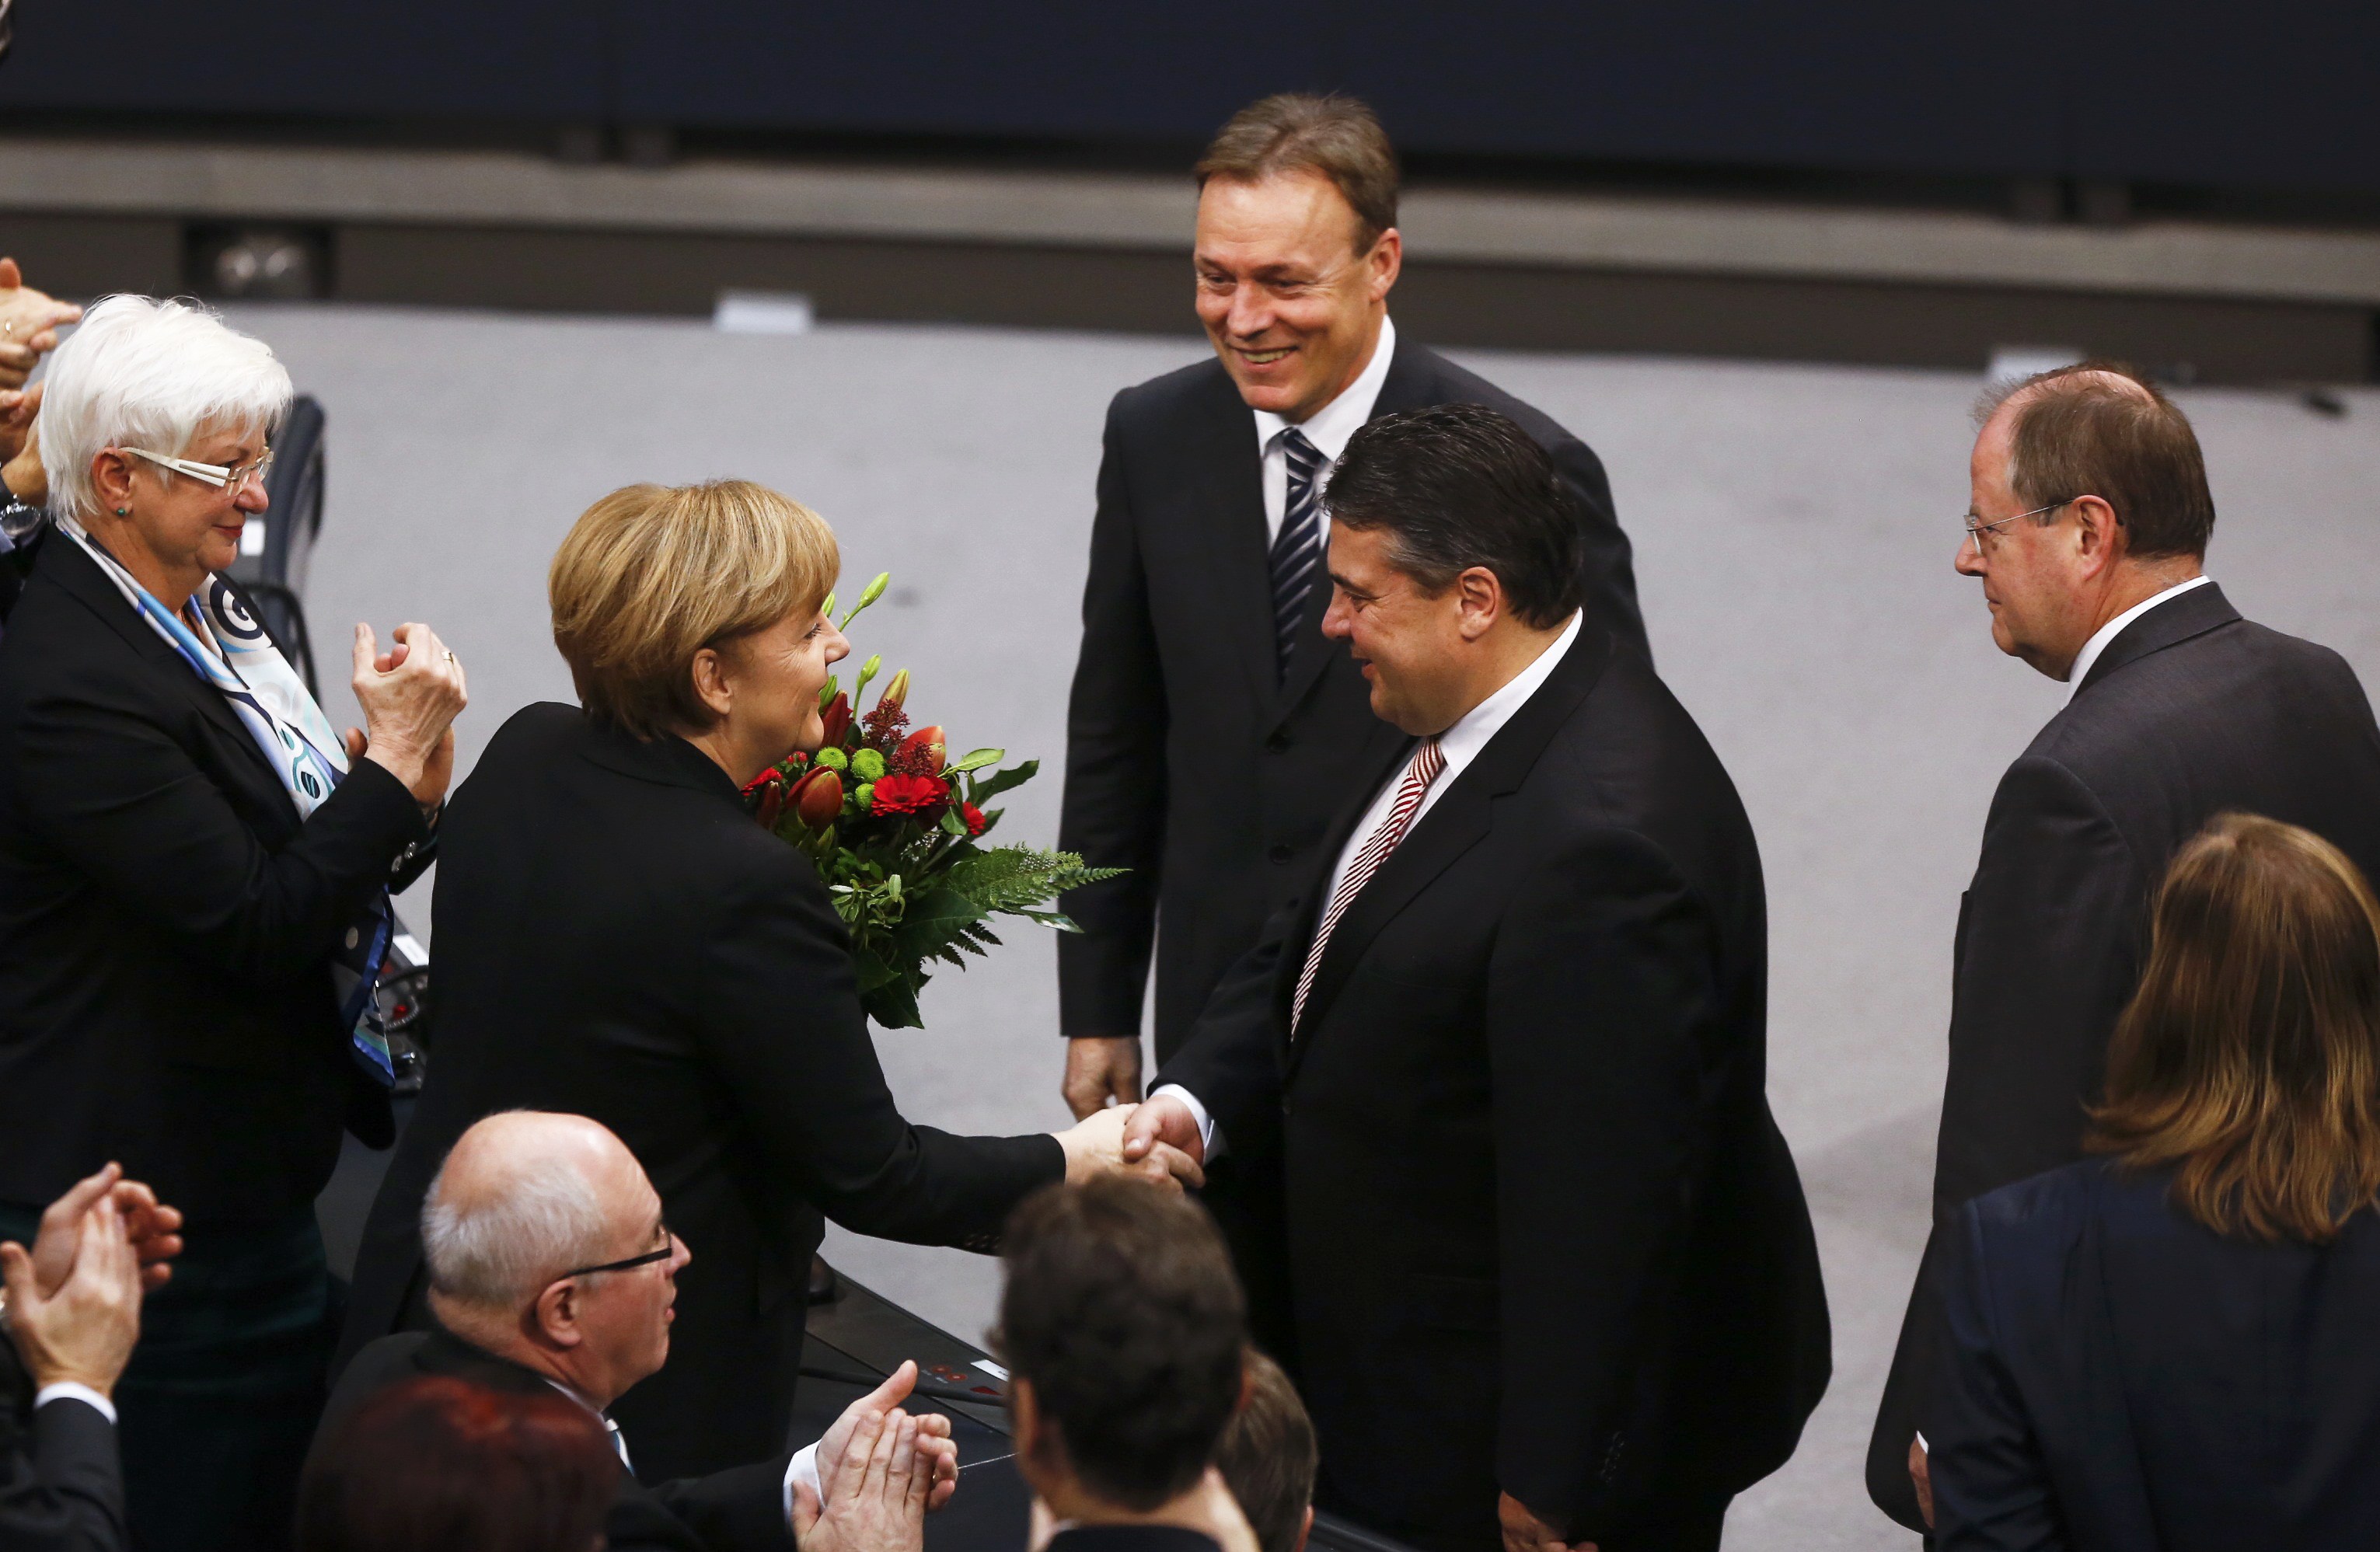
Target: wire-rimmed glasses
[1976,527]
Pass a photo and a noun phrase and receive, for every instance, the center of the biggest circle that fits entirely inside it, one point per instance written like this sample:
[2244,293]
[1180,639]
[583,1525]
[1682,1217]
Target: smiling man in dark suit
[1548,1263]
[2087,526]
[1212,730]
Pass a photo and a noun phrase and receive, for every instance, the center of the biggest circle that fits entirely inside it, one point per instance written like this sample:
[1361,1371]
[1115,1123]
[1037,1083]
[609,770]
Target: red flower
[973,816]
[908,795]
[820,798]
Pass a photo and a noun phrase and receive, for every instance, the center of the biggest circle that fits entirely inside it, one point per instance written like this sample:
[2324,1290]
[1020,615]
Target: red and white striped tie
[1428,761]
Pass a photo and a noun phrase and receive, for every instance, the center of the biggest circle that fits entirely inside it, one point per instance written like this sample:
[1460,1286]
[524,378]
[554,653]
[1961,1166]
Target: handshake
[1121,1140]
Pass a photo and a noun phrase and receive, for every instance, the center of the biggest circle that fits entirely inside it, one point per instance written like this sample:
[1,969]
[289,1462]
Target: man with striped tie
[1549,1272]
[1211,731]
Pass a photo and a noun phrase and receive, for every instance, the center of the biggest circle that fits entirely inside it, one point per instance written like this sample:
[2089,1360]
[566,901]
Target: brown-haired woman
[2172,1347]
[616,938]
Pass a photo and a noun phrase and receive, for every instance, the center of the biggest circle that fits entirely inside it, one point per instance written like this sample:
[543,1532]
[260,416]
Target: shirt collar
[2115,628]
[1471,730]
[1330,426]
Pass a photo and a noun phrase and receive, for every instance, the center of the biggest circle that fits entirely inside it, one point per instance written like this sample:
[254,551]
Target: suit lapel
[1230,470]
[1410,384]
[1456,822]
[81,577]
[2168,623]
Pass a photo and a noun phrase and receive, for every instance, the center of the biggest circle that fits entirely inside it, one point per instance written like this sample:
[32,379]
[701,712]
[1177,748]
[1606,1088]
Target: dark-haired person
[1213,731]
[2088,526]
[1548,1265]
[1125,1339]
[2169,1346]
[1267,1457]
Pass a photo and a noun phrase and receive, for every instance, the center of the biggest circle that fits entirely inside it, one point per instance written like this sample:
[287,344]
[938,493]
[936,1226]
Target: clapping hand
[934,1443]
[154,1230]
[83,1330]
[411,695]
[1098,1146]
[29,321]
[875,1500]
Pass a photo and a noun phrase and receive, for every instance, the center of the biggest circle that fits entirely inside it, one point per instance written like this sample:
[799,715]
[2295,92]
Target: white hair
[497,1253]
[139,372]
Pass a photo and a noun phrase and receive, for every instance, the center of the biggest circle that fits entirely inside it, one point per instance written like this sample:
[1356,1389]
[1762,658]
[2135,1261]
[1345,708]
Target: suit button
[1277,743]
[1280,855]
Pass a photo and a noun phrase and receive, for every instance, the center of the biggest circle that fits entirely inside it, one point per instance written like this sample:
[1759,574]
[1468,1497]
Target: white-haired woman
[194,879]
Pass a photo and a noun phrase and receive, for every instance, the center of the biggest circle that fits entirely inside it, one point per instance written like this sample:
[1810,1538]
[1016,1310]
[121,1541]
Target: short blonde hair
[652,573]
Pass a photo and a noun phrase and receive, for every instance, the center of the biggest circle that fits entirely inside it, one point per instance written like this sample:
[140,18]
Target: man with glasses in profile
[2088,530]
[551,1270]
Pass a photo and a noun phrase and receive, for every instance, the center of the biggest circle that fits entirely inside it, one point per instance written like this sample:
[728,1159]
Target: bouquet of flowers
[894,826]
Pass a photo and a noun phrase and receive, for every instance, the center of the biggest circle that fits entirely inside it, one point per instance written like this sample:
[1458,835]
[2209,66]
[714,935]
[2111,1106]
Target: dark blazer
[2190,713]
[740,1510]
[617,939]
[61,1484]
[2115,1376]
[1189,760]
[1542,1234]
[166,921]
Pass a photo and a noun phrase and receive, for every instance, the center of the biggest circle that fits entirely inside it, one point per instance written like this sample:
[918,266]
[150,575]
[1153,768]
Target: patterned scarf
[227,648]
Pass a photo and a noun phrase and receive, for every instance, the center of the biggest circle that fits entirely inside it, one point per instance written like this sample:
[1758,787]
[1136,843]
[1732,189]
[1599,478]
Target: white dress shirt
[1327,429]
[2115,628]
[67,1390]
[1460,745]
[803,1467]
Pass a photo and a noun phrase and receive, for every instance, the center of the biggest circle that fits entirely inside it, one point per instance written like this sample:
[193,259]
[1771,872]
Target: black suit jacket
[2190,713]
[166,921]
[1189,759]
[2116,1377]
[61,1483]
[617,939]
[1542,1233]
[740,1510]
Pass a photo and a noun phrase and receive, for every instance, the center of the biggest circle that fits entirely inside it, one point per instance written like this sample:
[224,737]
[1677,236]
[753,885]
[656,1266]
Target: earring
[124,512]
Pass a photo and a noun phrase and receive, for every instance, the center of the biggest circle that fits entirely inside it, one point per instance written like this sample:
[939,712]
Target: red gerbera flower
[908,795]
[973,817]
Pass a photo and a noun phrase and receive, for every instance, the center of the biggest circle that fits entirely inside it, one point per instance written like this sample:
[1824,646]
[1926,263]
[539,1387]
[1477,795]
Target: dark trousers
[222,1395]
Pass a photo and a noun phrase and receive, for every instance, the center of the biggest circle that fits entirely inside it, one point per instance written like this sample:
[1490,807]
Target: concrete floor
[1794,529]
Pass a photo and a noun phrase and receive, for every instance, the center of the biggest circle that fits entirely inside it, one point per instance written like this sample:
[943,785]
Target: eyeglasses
[232,478]
[1977,528]
[646,1259]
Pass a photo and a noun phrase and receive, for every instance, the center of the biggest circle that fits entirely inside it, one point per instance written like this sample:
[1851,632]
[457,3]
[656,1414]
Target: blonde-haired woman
[2172,1348]
[618,939]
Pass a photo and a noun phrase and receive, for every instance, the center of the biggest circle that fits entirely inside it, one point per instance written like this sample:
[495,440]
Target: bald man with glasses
[551,1270]
[2088,530]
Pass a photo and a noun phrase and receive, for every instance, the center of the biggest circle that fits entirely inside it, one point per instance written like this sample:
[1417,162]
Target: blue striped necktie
[1297,549]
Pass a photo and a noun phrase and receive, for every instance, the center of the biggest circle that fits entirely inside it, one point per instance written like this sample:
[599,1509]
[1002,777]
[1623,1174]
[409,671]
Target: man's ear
[1480,597]
[1247,1387]
[1304,1529]
[1385,262]
[2097,534]
[553,1321]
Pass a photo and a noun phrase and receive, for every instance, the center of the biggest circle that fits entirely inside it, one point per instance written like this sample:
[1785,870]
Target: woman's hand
[1095,1147]
[411,696]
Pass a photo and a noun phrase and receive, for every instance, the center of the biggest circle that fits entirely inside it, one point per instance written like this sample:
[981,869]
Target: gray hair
[498,1252]
[139,372]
